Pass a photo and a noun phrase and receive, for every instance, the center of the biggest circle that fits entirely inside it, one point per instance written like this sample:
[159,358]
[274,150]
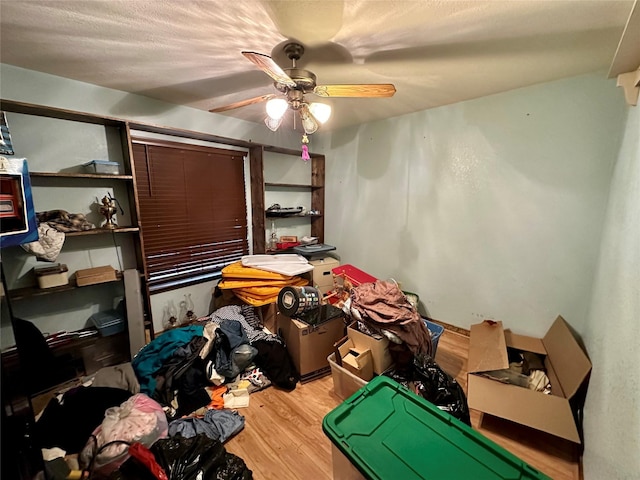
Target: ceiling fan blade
[243,103]
[358,90]
[271,68]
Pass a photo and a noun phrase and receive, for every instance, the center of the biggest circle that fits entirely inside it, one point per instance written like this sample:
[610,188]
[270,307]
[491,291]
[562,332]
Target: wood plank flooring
[283,437]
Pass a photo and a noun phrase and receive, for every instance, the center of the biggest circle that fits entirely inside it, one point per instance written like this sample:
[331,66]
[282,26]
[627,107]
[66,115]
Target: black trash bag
[427,379]
[195,458]
[198,457]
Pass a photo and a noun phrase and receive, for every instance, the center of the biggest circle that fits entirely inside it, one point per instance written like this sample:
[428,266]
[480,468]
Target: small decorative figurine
[109,208]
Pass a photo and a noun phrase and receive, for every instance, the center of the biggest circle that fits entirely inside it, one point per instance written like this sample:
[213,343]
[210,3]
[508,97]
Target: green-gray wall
[495,208]
[612,330]
[519,206]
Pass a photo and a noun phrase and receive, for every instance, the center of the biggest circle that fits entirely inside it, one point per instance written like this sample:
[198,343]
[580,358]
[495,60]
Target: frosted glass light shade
[321,111]
[273,123]
[276,108]
[309,123]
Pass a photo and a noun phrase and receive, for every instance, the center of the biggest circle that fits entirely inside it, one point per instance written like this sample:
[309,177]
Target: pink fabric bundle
[139,419]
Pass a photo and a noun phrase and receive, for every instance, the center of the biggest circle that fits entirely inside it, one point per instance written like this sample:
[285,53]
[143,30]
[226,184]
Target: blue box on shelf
[108,323]
[102,166]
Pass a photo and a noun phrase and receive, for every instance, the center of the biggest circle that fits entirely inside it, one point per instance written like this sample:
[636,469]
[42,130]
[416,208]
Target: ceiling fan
[293,84]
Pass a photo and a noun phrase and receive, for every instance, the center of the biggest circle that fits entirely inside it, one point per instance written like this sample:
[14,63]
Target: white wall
[612,411]
[491,208]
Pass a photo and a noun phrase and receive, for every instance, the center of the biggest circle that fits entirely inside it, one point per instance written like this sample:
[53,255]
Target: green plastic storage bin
[388,432]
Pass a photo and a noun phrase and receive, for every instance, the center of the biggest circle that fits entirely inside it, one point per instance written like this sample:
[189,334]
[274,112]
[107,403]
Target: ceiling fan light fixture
[273,123]
[321,111]
[309,123]
[276,108]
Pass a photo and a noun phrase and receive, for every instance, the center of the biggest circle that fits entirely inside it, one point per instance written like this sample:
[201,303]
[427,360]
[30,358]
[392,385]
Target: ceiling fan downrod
[294,51]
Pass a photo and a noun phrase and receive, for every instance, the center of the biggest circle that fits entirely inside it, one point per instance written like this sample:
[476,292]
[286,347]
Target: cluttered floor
[283,436]
[223,397]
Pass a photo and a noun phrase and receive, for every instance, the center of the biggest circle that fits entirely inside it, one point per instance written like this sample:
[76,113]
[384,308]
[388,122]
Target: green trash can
[385,432]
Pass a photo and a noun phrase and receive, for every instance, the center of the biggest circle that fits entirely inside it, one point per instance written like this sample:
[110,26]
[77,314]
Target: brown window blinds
[193,211]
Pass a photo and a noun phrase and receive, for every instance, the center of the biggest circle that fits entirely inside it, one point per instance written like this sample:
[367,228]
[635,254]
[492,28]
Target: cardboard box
[356,360]
[310,346]
[345,383]
[91,276]
[322,275]
[270,314]
[379,348]
[567,366]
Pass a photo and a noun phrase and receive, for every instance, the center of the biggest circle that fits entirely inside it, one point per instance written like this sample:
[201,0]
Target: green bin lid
[388,432]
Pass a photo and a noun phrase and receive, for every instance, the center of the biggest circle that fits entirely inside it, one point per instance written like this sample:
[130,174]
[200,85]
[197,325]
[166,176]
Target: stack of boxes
[310,344]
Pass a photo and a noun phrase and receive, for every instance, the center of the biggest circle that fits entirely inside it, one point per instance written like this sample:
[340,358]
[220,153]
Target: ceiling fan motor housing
[305,80]
[295,98]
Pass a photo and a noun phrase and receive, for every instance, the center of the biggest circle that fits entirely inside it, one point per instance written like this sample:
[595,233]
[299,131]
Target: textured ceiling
[435,52]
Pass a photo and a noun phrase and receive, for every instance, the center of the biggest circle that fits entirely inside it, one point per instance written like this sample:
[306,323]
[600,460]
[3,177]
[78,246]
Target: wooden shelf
[83,176]
[102,231]
[291,185]
[28,292]
[295,215]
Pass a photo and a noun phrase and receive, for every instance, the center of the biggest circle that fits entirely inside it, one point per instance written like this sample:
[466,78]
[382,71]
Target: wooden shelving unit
[117,134]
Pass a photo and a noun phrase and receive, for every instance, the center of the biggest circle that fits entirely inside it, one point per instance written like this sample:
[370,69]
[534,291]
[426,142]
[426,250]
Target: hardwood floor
[283,437]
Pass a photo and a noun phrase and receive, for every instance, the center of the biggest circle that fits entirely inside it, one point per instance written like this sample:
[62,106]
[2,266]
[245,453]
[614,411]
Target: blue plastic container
[436,331]
[108,323]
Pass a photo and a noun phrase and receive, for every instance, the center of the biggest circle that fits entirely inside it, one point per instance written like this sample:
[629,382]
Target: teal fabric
[148,360]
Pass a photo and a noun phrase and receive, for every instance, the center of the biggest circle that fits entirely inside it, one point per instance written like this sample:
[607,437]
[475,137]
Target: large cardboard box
[309,346]
[567,366]
[379,348]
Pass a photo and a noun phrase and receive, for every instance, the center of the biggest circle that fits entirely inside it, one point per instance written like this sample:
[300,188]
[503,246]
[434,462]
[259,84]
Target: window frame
[155,283]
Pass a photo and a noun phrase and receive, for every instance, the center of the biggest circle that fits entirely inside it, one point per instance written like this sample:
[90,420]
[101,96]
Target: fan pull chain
[305,148]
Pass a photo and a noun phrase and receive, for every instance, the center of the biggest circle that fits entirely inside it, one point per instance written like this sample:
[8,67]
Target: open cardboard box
[567,367]
[379,347]
[358,361]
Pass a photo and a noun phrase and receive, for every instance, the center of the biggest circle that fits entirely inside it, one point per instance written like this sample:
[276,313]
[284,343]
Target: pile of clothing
[52,226]
[174,405]
[381,308]
[228,349]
